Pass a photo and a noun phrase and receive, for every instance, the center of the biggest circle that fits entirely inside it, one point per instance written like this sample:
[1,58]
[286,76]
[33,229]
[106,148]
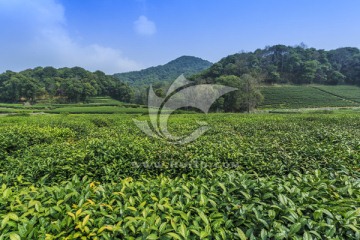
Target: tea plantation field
[259,176]
[309,96]
[351,93]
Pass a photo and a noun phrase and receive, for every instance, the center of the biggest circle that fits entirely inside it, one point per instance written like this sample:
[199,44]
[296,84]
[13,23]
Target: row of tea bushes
[223,205]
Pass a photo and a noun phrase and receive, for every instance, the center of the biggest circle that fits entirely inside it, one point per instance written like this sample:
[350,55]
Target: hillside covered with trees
[186,65]
[62,85]
[295,65]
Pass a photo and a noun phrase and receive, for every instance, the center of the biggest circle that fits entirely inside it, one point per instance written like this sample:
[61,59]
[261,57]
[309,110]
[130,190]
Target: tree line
[61,85]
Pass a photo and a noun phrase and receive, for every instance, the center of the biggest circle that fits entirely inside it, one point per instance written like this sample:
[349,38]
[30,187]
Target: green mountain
[295,65]
[186,65]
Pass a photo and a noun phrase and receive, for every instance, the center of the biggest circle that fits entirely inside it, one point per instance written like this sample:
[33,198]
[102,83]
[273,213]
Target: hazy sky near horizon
[122,35]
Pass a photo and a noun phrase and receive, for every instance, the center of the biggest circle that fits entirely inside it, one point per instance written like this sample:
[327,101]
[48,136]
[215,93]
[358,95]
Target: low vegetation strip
[98,110]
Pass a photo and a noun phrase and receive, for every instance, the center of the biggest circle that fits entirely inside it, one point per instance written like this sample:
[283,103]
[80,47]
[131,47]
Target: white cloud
[36,35]
[144,26]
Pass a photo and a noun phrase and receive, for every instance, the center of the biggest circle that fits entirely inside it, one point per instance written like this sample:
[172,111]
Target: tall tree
[245,98]
[250,93]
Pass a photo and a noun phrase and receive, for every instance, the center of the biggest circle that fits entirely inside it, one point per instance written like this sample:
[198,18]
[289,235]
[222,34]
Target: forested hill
[186,65]
[285,64]
[63,85]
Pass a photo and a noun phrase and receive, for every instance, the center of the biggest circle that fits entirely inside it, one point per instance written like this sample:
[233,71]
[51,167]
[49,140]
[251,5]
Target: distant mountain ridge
[187,65]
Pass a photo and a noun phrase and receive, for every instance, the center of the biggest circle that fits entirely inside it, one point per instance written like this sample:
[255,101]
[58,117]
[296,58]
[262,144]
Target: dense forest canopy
[63,85]
[296,65]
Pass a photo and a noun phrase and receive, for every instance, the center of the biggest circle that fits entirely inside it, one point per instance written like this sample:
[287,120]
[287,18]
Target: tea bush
[294,176]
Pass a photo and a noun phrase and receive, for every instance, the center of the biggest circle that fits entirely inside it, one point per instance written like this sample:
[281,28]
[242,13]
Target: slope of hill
[186,65]
[286,64]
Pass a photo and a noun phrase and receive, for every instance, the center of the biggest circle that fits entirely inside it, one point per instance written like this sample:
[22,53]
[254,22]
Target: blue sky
[123,35]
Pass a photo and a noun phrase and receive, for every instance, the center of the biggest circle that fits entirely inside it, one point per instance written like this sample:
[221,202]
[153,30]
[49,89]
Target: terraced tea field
[258,176]
[95,105]
[351,93]
[309,96]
